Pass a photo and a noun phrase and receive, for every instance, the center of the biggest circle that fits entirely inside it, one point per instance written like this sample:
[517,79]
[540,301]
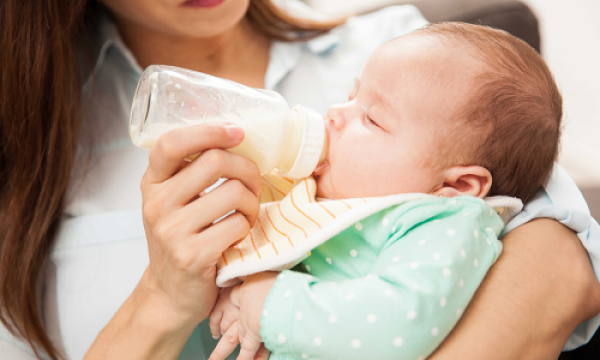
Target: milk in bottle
[291,140]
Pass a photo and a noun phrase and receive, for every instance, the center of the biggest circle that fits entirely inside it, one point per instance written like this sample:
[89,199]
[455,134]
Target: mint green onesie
[392,286]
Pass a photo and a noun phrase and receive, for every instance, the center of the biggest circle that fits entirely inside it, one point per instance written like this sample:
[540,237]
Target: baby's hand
[248,299]
[224,314]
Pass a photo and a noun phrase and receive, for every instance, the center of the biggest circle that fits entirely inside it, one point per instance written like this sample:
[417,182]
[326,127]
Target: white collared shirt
[100,252]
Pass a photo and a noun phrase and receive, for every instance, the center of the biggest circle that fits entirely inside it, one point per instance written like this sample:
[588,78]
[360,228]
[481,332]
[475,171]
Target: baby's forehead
[417,58]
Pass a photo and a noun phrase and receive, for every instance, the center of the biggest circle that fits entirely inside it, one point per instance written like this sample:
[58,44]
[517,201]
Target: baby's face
[385,139]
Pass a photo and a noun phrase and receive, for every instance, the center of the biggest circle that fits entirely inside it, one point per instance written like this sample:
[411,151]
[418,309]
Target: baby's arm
[418,287]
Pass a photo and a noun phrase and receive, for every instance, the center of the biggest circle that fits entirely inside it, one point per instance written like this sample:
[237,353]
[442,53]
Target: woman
[60,286]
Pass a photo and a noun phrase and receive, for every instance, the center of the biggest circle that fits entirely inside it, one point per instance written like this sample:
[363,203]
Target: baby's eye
[371,120]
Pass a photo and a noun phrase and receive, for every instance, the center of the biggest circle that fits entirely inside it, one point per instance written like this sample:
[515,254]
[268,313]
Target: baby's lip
[320,167]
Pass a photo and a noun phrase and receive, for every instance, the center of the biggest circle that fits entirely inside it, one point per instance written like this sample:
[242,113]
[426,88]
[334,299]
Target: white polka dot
[308,268]
[466,214]
[281,275]
[314,296]
[411,315]
[452,202]
[463,253]
[476,233]
[309,277]
[178,86]
[488,241]
[458,312]
[281,338]
[393,229]
[421,242]
[371,318]
[491,212]
[287,293]
[416,287]
[356,343]
[353,253]
[358,226]
[398,341]
[435,331]
[396,259]
[265,312]
[385,222]
[328,260]
[476,263]
[388,292]
[318,341]
[304,356]
[446,272]
[437,221]
[332,319]
[443,302]
[437,256]
[490,230]
[461,283]
[298,315]
[414,265]
[451,232]
[350,296]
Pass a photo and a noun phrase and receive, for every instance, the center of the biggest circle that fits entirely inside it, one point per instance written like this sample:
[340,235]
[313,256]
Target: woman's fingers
[209,167]
[227,344]
[231,195]
[174,146]
[215,239]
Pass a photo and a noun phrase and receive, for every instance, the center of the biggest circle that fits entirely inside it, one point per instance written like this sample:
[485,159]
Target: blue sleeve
[561,200]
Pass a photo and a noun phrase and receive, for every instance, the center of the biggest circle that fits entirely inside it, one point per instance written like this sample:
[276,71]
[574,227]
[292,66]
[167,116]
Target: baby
[404,238]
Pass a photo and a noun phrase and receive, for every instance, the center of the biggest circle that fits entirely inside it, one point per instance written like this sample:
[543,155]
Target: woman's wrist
[147,325]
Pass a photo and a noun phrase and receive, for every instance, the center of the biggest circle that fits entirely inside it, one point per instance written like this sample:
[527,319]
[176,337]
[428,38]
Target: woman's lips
[202,3]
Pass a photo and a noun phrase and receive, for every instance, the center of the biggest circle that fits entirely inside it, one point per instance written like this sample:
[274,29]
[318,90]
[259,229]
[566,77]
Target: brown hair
[40,115]
[516,105]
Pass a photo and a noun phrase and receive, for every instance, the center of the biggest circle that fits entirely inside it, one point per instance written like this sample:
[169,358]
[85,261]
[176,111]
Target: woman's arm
[531,300]
[177,290]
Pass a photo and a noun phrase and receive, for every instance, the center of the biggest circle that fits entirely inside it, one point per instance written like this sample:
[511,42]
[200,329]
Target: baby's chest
[350,254]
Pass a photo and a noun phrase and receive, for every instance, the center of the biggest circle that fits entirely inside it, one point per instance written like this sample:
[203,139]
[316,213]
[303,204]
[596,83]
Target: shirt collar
[107,38]
[283,55]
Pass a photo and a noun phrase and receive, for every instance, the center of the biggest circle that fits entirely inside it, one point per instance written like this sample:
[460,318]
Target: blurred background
[570,44]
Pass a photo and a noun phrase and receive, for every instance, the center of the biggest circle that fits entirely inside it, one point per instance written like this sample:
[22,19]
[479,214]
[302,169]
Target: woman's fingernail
[216,337]
[235,132]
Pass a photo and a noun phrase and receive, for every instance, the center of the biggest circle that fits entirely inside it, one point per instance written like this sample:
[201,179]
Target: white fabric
[287,260]
[100,252]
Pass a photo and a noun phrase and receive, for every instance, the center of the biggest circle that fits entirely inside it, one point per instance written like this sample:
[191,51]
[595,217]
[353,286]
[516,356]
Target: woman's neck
[240,54]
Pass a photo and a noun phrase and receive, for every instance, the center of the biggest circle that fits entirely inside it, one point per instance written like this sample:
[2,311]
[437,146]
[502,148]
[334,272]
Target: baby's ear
[466,180]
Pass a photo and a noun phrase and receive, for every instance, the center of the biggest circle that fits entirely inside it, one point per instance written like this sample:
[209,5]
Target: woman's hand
[531,300]
[183,242]
[177,290]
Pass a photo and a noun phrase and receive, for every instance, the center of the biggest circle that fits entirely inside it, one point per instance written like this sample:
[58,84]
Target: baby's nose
[336,116]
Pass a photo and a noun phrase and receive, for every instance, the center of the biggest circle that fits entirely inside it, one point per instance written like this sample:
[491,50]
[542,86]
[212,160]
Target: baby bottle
[292,141]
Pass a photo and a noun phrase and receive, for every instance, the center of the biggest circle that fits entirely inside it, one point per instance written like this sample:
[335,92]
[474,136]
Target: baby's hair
[513,118]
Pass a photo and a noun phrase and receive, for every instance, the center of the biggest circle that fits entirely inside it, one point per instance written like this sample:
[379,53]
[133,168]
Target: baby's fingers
[214,323]
[248,348]
[262,353]
[227,344]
